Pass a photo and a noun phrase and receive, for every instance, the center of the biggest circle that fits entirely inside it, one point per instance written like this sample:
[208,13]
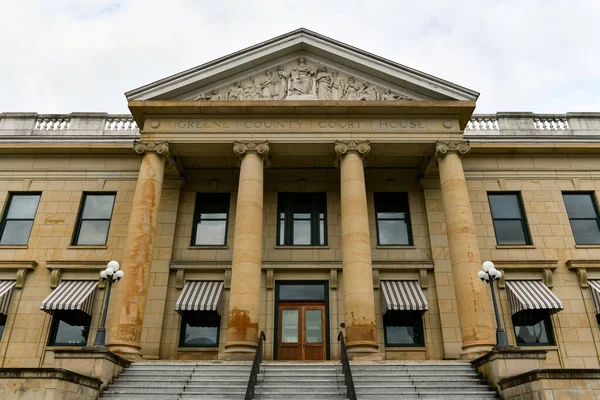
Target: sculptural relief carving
[300,79]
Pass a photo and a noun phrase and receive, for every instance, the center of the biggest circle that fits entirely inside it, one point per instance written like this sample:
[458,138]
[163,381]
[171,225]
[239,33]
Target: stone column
[132,290]
[471,295]
[359,298]
[244,298]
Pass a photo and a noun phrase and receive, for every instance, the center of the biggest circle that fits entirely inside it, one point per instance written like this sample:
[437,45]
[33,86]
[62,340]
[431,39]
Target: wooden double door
[301,333]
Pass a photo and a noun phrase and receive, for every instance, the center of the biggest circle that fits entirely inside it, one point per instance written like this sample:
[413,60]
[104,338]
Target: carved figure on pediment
[251,92]
[352,90]
[236,92]
[301,79]
[279,87]
[388,95]
[323,80]
[213,95]
[266,85]
[337,86]
[368,92]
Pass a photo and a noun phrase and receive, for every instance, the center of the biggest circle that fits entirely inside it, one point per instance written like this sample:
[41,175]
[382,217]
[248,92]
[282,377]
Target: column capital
[260,148]
[443,148]
[160,148]
[362,148]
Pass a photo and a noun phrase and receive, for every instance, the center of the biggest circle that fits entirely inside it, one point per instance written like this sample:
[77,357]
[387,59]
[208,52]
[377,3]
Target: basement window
[199,329]
[403,329]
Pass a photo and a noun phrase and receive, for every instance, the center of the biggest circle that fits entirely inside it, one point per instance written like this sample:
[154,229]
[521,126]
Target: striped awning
[71,295]
[200,296]
[531,295]
[403,296]
[6,288]
[595,289]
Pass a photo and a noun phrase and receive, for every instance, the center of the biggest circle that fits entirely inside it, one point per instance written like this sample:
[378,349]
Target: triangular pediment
[301,65]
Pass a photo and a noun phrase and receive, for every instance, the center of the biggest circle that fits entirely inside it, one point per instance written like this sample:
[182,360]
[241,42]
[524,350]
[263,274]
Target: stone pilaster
[359,298]
[471,295]
[132,291]
[244,300]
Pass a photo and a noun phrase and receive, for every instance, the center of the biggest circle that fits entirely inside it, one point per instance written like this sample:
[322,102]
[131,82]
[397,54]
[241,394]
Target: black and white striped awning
[6,288]
[403,296]
[531,295]
[71,295]
[595,289]
[200,296]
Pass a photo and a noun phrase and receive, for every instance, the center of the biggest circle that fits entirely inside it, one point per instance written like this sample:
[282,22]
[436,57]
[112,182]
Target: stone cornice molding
[246,147]
[362,148]
[160,148]
[443,148]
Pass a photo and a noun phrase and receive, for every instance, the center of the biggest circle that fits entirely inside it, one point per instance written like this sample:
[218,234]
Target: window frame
[197,213]
[418,326]
[549,331]
[592,196]
[523,219]
[407,220]
[7,209]
[285,205]
[3,320]
[80,218]
[54,330]
[182,326]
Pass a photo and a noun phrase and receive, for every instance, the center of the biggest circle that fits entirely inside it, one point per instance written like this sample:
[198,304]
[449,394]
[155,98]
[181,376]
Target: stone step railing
[499,124]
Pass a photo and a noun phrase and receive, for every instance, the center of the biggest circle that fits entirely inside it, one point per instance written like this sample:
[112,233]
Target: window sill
[395,247]
[547,347]
[301,247]
[85,247]
[405,349]
[13,246]
[65,347]
[587,246]
[197,349]
[209,247]
[515,246]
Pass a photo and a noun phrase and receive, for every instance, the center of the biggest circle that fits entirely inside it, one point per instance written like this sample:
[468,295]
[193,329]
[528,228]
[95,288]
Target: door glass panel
[289,326]
[314,327]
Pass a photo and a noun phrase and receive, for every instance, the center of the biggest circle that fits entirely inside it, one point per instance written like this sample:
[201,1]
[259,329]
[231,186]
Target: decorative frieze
[160,148]
[362,148]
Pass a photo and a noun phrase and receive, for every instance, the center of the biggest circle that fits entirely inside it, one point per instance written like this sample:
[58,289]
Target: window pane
[580,205]
[23,207]
[282,232]
[509,232]
[302,292]
[302,232]
[586,231]
[210,232]
[403,328]
[213,216]
[200,335]
[301,216]
[391,215]
[505,206]
[98,206]
[93,233]
[532,334]
[313,326]
[71,335]
[289,326]
[322,233]
[16,232]
[393,232]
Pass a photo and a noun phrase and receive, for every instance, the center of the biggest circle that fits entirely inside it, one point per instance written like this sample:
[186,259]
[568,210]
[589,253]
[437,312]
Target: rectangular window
[509,219]
[18,218]
[301,219]
[583,215]
[403,328]
[199,329]
[533,328]
[94,218]
[393,219]
[69,328]
[210,219]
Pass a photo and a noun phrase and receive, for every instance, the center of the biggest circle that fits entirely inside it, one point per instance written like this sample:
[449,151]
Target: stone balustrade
[481,125]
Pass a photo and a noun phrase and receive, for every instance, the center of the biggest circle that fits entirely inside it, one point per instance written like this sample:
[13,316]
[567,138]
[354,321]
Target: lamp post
[112,274]
[489,274]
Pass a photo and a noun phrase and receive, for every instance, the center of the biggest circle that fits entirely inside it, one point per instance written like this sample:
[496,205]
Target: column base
[238,351]
[475,351]
[364,351]
[128,352]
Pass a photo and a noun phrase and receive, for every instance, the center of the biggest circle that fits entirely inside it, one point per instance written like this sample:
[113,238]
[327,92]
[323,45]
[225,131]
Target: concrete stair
[290,381]
[419,380]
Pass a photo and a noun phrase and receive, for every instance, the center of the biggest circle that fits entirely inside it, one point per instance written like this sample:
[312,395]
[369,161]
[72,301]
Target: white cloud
[62,56]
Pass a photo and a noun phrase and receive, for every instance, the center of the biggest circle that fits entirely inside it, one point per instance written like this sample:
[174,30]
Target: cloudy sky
[522,55]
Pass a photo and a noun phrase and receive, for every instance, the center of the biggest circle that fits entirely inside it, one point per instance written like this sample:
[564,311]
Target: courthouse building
[300,187]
